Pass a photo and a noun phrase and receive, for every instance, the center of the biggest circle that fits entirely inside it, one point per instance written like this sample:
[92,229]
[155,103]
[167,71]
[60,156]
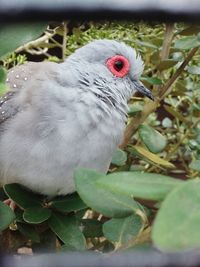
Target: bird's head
[117,62]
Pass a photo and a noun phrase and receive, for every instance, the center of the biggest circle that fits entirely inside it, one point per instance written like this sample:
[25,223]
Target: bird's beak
[140,88]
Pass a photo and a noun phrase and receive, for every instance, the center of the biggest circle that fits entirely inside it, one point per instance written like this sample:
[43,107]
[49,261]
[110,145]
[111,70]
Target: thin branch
[164,54]
[166,89]
[35,43]
[152,106]
[168,36]
[137,120]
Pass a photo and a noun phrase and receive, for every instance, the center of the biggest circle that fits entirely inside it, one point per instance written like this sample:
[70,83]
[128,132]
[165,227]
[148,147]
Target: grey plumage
[58,117]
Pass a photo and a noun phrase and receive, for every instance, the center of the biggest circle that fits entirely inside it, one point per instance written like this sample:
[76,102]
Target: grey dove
[59,117]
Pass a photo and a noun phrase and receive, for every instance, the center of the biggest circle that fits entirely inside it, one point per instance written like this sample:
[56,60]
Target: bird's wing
[18,78]
[7,110]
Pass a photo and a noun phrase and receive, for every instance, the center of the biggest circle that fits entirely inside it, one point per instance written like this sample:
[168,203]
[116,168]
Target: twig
[137,120]
[168,36]
[152,106]
[167,41]
[166,89]
[35,43]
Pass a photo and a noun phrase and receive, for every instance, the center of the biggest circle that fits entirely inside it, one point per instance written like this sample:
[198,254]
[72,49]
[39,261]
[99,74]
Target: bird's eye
[118,65]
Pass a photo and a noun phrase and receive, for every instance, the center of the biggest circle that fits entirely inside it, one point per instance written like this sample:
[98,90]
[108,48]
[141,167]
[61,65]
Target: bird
[57,117]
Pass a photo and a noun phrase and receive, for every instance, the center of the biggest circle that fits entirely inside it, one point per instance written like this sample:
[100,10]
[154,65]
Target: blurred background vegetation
[162,137]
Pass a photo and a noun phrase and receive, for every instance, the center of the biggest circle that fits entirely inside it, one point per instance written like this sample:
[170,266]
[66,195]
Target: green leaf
[67,229]
[29,231]
[2,75]
[91,228]
[176,226]
[195,165]
[167,123]
[166,64]
[139,184]
[153,140]
[108,203]
[187,43]
[119,158]
[144,154]
[194,70]
[122,230]
[134,108]
[36,215]
[152,80]
[146,44]
[69,203]
[22,196]
[14,35]
[7,216]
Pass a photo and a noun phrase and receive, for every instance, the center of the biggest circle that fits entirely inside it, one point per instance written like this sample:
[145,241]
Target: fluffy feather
[64,116]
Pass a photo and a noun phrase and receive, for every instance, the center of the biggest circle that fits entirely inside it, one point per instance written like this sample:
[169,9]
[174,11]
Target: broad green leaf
[142,185]
[14,35]
[187,43]
[100,199]
[119,158]
[69,203]
[194,70]
[134,109]
[153,140]
[22,196]
[147,155]
[29,231]
[7,216]
[195,165]
[2,75]
[67,229]
[91,228]
[176,226]
[166,64]
[167,123]
[36,215]
[178,56]
[122,230]
[147,44]
[151,80]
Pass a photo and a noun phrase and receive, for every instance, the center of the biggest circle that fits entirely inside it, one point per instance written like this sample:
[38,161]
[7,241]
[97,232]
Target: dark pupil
[118,65]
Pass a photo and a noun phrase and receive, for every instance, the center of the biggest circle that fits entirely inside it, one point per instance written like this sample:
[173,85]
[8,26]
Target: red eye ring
[118,65]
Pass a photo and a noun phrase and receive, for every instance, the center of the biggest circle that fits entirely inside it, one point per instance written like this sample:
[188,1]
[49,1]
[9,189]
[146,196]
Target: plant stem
[152,106]
[137,120]
[168,37]
[166,89]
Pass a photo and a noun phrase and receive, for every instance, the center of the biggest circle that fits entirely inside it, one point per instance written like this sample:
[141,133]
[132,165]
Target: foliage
[162,143]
